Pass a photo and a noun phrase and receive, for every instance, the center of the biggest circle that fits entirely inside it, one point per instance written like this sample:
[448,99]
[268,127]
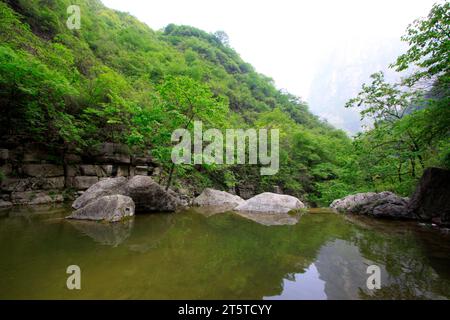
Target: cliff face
[35,174]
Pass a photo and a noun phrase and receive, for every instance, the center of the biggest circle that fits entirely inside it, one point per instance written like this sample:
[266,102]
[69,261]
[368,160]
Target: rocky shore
[110,184]
[115,199]
[430,202]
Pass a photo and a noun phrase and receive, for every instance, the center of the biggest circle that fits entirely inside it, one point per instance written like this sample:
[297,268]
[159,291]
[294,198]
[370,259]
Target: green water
[224,256]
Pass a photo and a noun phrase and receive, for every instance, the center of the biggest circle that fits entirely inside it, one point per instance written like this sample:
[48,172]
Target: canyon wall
[34,174]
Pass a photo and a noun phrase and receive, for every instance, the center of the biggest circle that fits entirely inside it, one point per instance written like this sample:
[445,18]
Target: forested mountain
[116,80]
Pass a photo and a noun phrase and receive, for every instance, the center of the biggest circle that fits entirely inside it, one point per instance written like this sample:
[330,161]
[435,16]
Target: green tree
[429,46]
[181,101]
[411,120]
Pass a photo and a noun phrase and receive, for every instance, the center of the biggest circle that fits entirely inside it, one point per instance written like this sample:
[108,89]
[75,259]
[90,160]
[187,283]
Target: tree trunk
[399,172]
[172,168]
[413,167]
[169,181]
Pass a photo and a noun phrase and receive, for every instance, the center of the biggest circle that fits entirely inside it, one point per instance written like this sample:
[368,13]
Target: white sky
[283,39]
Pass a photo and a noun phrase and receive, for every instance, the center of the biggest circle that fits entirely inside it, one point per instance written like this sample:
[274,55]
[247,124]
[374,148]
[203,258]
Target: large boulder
[431,199]
[107,208]
[217,198]
[102,188]
[150,196]
[147,194]
[380,205]
[268,202]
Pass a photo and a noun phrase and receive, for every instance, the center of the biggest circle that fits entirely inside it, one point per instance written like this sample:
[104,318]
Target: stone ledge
[43,170]
[82,182]
[29,184]
[36,197]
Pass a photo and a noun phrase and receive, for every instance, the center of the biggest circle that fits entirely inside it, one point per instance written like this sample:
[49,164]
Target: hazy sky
[284,39]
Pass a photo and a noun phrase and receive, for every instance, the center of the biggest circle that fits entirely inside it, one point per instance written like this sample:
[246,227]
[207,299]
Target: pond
[196,255]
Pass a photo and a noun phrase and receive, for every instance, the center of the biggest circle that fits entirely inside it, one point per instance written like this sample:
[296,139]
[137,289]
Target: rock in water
[147,195]
[102,188]
[211,197]
[346,203]
[107,208]
[431,199]
[268,202]
[381,205]
[150,196]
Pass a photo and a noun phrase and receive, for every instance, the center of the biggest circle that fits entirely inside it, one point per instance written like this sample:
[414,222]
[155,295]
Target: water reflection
[209,211]
[111,234]
[220,256]
[341,268]
[303,286]
[268,219]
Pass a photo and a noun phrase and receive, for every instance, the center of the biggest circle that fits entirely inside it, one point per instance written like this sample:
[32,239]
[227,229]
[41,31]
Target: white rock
[108,208]
[102,188]
[212,197]
[268,202]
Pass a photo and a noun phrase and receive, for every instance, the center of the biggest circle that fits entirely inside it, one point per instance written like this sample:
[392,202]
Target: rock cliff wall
[34,174]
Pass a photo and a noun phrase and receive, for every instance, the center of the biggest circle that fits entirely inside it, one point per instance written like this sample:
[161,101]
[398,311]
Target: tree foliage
[411,119]
[117,80]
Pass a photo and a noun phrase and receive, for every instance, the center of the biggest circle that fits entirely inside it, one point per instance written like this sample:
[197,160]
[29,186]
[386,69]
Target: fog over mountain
[341,74]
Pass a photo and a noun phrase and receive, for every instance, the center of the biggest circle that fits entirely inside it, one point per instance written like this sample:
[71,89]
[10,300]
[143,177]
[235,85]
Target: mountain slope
[115,78]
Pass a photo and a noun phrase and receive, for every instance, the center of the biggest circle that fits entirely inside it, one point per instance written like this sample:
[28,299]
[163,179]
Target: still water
[193,255]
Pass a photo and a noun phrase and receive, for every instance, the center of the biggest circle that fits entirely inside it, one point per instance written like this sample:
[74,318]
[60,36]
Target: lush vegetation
[116,80]
[412,118]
